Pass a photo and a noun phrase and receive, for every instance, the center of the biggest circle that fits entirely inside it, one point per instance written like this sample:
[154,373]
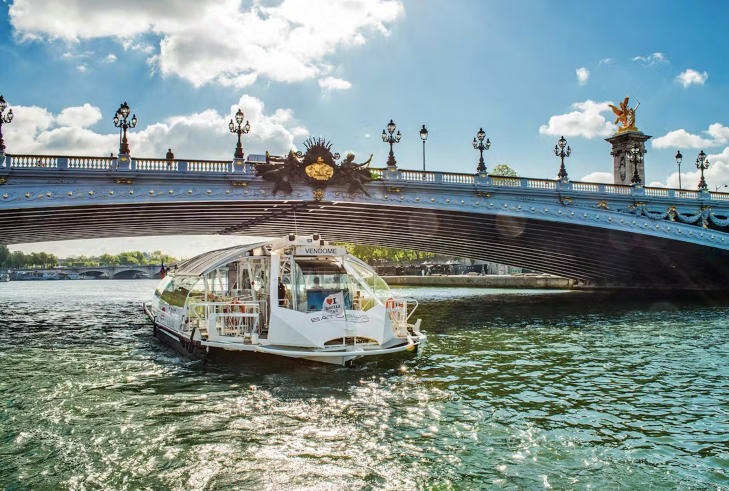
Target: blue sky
[344,69]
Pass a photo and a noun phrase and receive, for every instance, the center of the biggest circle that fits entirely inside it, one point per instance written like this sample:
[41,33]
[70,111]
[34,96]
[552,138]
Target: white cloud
[82,68]
[586,121]
[691,77]
[111,58]
[582,75]
[331,83]
[206,41]
[601,177]
[79,117]
[202,135]
[682,139]
[605,61]
[652,59]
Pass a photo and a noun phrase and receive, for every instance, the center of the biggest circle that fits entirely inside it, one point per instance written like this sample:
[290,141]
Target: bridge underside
[594,254]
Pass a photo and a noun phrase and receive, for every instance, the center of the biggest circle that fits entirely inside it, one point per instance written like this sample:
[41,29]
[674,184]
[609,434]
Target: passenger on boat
[281,293]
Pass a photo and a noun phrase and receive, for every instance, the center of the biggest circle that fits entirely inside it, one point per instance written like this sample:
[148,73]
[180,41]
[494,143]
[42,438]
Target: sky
[525,71]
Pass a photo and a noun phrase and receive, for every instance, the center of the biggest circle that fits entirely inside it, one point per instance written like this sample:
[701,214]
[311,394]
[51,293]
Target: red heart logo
[329,301]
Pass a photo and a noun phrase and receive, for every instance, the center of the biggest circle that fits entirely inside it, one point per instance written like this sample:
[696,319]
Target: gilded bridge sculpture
[625,115]
[316,167]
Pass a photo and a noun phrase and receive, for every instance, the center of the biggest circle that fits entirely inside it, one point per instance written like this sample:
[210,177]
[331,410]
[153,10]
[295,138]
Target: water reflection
[525,390]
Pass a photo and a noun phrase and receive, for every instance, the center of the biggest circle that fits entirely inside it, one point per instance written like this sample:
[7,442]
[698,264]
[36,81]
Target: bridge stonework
[600,233]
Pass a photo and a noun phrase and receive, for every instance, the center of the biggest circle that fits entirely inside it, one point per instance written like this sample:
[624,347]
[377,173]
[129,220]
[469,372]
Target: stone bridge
[113,272]
[606,234]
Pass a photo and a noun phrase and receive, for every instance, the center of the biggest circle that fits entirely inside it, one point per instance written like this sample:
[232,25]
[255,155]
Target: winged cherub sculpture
[625,115]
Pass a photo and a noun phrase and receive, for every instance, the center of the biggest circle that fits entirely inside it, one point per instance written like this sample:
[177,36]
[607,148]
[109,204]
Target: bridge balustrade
[512,182]
[411,175]
[155,164]
[662,192]
[540,183]
[616,189]
[208,166]
[164,166]
[91,163]
[585,187]
[31,161]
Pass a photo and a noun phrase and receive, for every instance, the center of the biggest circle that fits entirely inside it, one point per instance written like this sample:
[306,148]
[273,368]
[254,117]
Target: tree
[6,257]
[503,170]
[19,260]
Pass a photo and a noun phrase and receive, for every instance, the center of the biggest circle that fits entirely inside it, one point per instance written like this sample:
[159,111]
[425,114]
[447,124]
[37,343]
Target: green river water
[514,390]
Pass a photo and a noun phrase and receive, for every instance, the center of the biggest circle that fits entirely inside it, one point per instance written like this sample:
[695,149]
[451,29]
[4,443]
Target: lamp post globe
[561,152]
[391,139]
[120,121]
[702,163]
[679,159]
[636,158]
[423,136]
[479,145]
[239,129]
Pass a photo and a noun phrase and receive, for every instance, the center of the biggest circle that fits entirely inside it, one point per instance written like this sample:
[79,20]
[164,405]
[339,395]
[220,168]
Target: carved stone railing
[208,166]
[91,163]
[155,164]
[425,178]
[539,183]
[30,161]
[510,182]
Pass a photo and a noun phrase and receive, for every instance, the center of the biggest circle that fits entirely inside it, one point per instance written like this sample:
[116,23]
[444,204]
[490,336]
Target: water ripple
[522,390]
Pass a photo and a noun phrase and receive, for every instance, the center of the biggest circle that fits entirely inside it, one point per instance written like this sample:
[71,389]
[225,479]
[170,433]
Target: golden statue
[625,116]
[320,170]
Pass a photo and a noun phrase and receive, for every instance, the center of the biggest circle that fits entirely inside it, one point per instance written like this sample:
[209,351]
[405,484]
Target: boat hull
[200,349]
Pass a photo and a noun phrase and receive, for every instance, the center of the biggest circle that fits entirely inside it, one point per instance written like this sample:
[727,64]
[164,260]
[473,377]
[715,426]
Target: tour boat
[296,297]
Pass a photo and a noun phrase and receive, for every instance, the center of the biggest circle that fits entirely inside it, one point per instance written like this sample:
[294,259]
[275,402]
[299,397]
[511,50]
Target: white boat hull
[335,356]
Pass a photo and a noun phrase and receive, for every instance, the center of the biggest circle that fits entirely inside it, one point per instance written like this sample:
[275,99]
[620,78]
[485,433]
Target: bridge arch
[607,234]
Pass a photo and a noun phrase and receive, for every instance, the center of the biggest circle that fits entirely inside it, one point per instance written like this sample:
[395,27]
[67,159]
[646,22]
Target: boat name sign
[321,251]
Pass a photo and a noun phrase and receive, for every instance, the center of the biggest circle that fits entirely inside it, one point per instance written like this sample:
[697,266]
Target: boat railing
[397,309]
[233,318]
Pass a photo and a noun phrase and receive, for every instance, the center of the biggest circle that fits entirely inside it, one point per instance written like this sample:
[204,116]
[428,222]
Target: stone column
[621,143]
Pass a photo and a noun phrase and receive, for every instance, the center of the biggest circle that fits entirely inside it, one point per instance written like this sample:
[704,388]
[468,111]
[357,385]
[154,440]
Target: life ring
[390,304]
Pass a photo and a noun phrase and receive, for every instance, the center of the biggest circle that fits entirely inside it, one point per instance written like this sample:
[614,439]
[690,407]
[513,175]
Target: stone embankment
[489,281]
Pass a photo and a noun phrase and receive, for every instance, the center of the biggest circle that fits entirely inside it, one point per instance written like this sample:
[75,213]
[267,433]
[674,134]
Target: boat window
[316,279]
[162,285]
[373,281]
[176,291]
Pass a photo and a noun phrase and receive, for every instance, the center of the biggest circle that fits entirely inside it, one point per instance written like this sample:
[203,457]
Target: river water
[515,390]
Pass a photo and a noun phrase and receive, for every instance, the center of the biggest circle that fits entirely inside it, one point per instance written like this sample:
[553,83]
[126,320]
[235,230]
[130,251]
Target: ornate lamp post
[481,146]
[390,138]
[560,152]
[4,119]
[241,129]
[424,136]
[679,159]
[120,121]
[702,164]
[636,158]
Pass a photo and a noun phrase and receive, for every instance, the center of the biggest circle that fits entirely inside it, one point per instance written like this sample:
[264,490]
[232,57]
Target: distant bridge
[601,233]
[113,272]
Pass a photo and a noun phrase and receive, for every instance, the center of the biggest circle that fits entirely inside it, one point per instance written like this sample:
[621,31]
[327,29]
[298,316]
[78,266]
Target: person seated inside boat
[282,294]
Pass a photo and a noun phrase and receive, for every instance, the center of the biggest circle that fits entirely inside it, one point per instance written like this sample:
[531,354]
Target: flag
[162,273]
[334,304]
